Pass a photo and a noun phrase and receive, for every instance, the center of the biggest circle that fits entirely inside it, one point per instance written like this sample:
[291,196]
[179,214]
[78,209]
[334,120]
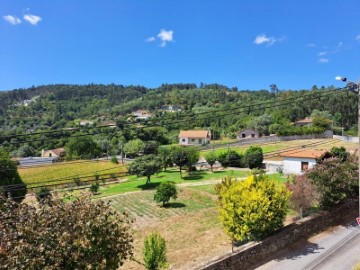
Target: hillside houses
[194,137]
[142,114]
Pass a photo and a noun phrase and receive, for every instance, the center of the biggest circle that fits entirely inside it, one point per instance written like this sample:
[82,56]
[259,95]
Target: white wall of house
[292,165]
[193,141]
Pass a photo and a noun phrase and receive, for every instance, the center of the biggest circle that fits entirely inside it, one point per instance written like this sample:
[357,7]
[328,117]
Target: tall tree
[11,183]
[82,147]
[145,166]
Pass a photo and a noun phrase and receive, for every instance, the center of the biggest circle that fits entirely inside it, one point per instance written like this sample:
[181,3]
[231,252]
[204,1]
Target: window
[252,135]
[200,140]
[192,140]
[304,166]
[183,140]
[49,154]
[243,135]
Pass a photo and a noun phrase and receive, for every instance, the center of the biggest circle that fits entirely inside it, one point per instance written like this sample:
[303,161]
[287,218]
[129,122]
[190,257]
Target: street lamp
[355,87]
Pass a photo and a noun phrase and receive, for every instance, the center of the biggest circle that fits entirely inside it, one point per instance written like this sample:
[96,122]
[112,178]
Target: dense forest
[33,117]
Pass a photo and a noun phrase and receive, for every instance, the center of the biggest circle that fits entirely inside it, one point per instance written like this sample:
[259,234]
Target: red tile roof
[304,153]
[58,151]
[193,133]
[306,120]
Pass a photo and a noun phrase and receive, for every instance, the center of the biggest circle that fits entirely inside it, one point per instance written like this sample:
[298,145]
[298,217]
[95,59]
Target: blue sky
[249,44]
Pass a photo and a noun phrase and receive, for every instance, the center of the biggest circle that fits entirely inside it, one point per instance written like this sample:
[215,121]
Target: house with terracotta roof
[298,161]
[55,153]
[304,122]
[194,137]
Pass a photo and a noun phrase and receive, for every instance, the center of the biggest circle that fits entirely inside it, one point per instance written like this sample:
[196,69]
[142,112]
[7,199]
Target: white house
[58,152]
[298,161]
[142,114]
[194,137]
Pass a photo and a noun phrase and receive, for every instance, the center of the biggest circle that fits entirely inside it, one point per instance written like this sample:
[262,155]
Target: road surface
[335,249]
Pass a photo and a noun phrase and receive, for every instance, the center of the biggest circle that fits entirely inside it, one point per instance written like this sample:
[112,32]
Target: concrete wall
[326,134]
[292,165]
[290,234]
[193,141]
[347,138]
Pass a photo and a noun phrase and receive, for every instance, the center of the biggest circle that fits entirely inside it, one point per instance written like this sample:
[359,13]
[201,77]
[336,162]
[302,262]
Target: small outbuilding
[298,161]
[247,133]
[304,122]
[54,153]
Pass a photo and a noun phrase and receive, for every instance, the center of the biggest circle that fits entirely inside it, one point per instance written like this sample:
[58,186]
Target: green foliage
[253,208]
[165,155]
[25,151]
[43,194]
[11,183]
[340,153]
[301,130]
[335,180]
[79,234]
[323,114]
[165,191]
[77,180]
[114,160]
[83,147]
[145,166]
[94,188]
[322,122]
[151,147]
[185,156]
[154,252]
[134,147]
[253,157]
[231,158]
[262,124]
[211,158]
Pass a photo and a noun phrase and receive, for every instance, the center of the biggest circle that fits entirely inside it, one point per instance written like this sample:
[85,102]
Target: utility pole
[355,87]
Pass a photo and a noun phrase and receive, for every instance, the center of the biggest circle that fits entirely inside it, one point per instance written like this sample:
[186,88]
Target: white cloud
[165,36]
[323,53]
[150,39]
[311,45]
[323,60]
[12,19]
[263,39]
[357,38]
[32,19]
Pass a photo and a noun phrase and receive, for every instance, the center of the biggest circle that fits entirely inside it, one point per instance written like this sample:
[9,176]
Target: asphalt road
[335,249]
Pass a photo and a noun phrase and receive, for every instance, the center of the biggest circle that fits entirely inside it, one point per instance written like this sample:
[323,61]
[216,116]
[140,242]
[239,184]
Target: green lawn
[136,184]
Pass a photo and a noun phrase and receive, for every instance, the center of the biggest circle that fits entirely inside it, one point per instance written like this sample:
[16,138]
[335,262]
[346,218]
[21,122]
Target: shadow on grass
[194,176]
[174,205]
[149,186]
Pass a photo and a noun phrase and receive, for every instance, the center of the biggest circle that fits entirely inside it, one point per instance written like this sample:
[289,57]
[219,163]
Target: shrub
[77,181]
[164,192]
[154,252]
[42,194]
[78,234]
[253,208]
[254,157]
[114,160]
[94,188]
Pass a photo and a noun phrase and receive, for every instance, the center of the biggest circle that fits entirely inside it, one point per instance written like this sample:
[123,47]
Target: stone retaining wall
[290,234]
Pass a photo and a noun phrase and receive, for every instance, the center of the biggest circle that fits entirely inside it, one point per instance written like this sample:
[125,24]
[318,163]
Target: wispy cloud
[164,36]
[357,38]
[323,60]
[32,19]
[322,53]
[269,41]
[150,39]
[311,45]
[12,19]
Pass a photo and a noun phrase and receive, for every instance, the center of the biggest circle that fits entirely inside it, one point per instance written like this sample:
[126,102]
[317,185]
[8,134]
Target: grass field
[65,172]
[136,184]
[190,225]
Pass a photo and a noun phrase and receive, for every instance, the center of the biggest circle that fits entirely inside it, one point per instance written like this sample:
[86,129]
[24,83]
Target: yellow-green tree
[251,209]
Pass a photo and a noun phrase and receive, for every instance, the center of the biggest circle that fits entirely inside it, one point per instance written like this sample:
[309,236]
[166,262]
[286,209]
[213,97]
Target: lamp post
[353,86]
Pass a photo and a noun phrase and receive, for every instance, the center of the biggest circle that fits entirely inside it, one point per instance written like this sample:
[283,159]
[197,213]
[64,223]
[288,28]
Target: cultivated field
[190,225]
[66,171]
